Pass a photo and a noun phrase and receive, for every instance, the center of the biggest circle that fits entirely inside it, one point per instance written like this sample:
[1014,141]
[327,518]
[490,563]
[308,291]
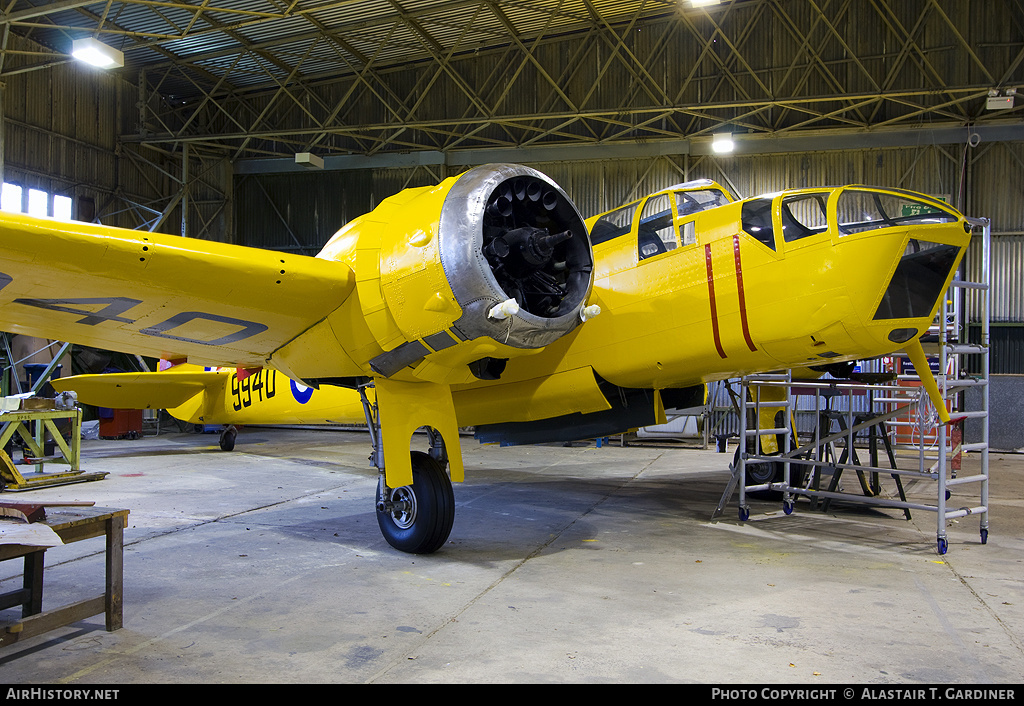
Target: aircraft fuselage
[748,294]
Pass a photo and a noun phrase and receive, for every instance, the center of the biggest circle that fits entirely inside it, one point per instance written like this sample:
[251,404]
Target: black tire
[760,472]
[227,439]
[424,522]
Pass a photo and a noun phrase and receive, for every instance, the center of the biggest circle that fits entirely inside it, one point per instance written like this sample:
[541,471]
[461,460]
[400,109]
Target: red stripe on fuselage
[739,287]
[711,297]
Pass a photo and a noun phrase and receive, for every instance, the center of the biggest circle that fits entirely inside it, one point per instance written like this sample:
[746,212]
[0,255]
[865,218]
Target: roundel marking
[301,393]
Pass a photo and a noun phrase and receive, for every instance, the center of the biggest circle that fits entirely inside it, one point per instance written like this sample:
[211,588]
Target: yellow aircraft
[483,302]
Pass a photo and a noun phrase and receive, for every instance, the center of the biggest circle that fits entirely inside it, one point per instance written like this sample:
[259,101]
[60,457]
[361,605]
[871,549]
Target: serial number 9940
[261,385]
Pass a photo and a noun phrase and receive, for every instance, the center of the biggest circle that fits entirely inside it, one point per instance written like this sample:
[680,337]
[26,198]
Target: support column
[184,189]
[3,89]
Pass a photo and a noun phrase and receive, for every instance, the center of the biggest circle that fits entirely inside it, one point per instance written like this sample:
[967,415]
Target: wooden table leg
[114,605]
[32,582]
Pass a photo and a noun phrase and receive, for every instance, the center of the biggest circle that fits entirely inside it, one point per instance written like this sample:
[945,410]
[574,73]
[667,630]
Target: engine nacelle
[454,279]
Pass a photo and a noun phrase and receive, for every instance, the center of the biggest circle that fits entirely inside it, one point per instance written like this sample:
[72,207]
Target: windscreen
[859,211]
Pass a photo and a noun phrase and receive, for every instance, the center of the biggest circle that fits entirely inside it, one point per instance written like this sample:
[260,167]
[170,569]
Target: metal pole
[985,366]
[49,368]
[741,465]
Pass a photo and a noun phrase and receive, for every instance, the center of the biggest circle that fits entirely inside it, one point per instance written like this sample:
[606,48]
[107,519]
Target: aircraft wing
[160,295]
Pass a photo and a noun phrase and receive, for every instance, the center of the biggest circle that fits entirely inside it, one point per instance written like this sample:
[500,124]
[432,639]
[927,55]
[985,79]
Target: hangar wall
[62,128]
[597,186]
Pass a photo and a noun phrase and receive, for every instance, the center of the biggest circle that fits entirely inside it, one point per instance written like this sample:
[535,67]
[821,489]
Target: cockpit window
[757,220]
[655,234]
[804,215]
[688,202]
[613,224]
[859,211]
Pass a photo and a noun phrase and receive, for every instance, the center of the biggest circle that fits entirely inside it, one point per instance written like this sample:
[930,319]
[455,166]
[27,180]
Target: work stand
[35,429]
[879,409]
[877,431]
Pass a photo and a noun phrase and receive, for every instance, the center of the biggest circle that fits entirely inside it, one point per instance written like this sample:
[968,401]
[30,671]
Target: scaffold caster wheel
[948,495]
[943,545]
[744,514]
[787,508]
[984,536]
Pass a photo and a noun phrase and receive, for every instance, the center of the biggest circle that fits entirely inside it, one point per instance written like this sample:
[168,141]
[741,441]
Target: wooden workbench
[71,524]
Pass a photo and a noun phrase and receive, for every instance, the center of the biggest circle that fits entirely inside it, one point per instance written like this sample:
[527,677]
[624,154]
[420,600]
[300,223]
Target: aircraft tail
[180,390]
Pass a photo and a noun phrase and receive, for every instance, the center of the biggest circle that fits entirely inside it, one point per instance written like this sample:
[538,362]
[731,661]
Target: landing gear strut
[414,518]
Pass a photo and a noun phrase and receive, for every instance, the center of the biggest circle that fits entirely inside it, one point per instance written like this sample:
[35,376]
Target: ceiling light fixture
[703,3]
[722,142]
[1000,100]
[93,51]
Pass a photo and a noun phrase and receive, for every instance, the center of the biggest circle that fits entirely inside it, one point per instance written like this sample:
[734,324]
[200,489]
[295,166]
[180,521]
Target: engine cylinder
[508,232]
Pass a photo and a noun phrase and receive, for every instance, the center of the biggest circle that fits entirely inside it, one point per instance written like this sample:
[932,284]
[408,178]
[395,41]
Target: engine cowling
[454,279]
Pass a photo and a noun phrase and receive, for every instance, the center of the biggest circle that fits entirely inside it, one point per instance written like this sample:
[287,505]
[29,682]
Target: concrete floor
[565,565]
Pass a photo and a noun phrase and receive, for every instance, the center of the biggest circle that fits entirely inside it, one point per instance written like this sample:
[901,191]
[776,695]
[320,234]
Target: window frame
[883,219]
[747,220]
[613,230]
[657,225]
[791,223]
[32,201]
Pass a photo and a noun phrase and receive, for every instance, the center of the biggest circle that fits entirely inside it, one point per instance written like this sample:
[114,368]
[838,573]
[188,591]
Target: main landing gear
[417,518]
[414,518]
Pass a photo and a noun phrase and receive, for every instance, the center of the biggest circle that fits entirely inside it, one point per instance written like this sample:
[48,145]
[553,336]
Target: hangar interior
[274,123]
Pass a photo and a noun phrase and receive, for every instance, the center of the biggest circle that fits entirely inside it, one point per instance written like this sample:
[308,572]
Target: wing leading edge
[160,295]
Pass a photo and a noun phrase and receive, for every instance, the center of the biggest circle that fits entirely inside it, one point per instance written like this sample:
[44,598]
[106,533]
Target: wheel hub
[400,503]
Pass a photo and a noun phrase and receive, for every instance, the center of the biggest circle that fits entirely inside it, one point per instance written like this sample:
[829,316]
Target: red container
[120,423]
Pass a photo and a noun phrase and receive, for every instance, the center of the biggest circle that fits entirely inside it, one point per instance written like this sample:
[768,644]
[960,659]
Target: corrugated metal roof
[557,71]
[189,32]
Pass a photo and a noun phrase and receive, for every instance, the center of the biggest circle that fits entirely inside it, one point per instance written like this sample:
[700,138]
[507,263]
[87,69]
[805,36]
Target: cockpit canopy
[666,219]
[655,232]
[921,272]
[858,209]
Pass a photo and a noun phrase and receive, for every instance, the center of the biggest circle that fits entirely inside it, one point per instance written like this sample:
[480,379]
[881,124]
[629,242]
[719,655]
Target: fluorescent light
[92,51]
[702,3]
[722,142]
